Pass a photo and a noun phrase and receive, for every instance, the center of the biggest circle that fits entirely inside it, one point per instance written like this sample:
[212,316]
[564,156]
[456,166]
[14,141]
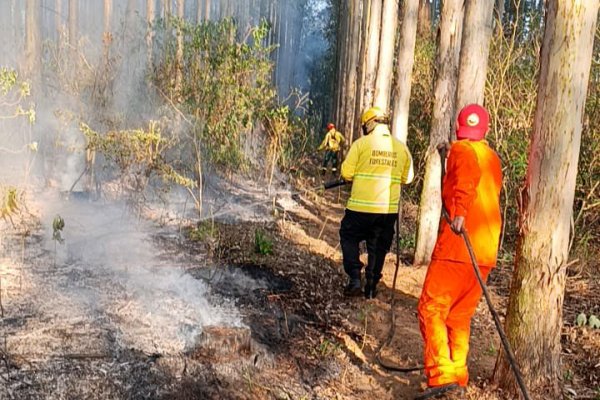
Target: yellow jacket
[333,140]
[377,164]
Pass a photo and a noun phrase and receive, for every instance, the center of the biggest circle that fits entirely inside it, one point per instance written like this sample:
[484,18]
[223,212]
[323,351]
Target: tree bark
[179,51]
[150,17]
[207,10]
[387,46]
[73,22]
[424,24]
[474,52]
[372,53]
[441,125]
[534,317]
[33,43]
[406,58]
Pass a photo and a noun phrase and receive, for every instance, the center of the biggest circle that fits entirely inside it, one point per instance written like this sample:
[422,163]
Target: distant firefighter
[451,291]
[332,145]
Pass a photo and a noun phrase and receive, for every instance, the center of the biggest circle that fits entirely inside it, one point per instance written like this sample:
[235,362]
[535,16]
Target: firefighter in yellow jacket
[332,145]
[377,164]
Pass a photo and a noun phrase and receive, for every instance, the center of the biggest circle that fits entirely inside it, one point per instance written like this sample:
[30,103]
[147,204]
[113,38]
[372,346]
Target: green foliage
[13,93]
[263,245]
[205,230]
[225,83]
[10,202]
[138,154]
[582,320]
[421,106]
[57,226]
[327,348]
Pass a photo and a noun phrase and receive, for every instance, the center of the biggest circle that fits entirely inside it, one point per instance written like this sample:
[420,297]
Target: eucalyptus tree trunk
[207,4]
[33,41]
[441,126]
[372,38]
[73,22]
[351,115]
[58,18]
[474,52]
[387,45]
[404,67]
[341,63]
[179,50]
[107,35]
[424,24]
[534,317]
[150,16]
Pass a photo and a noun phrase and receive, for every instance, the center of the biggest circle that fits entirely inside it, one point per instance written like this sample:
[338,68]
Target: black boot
[370,289]
[352,289]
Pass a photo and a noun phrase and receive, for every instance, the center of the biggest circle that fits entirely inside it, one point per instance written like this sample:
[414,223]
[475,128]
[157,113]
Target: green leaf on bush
[594,322]
[581,320]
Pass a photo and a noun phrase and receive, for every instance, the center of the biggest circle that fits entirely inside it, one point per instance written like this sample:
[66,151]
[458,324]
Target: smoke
[110,271]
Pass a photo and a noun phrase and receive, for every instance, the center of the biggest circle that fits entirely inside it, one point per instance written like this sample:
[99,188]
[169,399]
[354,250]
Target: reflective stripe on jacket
[471,188]
[333,140]
[377,164]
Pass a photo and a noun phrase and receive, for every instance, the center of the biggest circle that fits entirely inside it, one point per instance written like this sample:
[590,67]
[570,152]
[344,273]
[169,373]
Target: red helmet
[472,122]
[330,126]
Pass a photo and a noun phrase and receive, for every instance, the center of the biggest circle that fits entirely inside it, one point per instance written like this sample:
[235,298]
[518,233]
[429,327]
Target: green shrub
[262,243]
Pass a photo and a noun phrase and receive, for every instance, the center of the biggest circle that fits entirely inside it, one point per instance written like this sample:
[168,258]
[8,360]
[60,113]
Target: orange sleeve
[463,165]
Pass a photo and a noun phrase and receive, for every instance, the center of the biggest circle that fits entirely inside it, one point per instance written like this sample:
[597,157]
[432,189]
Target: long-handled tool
[505,344]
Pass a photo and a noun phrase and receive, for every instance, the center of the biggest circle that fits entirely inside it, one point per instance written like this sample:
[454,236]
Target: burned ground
[75,329]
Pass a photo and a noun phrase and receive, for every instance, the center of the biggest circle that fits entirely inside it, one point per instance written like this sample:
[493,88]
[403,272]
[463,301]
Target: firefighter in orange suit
[451,292]
[377,164]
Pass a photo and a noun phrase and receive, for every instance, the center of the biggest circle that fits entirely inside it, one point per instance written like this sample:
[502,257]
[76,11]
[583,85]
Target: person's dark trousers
[377,230]
[330,156]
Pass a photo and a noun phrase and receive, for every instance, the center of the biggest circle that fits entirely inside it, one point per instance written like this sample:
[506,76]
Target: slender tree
[73,22]
[404,67]
[150,16]
[371,53]
[383,80]
[33,41]
[534,317]
[474,52]
[441,126]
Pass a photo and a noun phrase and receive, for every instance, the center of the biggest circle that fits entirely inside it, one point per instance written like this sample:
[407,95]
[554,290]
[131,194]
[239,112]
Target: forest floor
[73,327]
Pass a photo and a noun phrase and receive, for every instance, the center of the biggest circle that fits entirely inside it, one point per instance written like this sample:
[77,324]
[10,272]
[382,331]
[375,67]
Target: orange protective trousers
[451,292]
[450,296]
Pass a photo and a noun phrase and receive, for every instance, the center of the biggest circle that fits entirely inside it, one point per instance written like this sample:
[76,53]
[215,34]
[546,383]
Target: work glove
[457,224]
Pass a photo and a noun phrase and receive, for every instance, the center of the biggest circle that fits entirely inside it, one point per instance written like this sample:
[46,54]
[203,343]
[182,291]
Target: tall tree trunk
[406,58]
[353,89]
[179,51]
[73,22]
[108,6]
[534,317]
[372,53]
[387,45]
[33,42]
[150,16]
[207,10]
[474,52]
[441,125]
[58,18]
[424,24]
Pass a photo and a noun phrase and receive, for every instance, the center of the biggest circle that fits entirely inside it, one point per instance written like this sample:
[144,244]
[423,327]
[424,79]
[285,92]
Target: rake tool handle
[333,184]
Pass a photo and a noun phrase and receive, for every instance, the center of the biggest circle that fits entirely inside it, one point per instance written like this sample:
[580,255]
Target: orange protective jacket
[471,188]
